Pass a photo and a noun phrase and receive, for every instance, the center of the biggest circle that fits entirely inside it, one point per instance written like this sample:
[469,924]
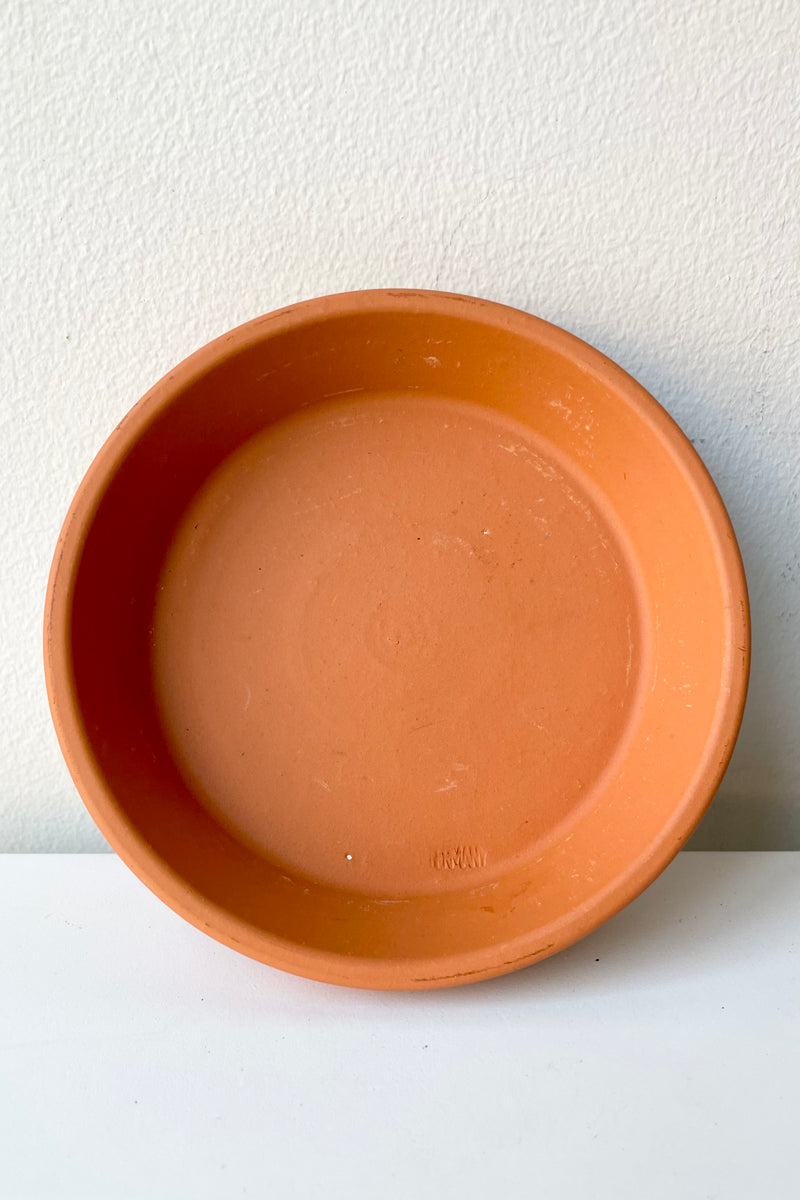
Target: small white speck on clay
[349,857]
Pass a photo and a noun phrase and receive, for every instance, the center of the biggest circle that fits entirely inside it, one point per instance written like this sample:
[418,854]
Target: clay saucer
[397,639]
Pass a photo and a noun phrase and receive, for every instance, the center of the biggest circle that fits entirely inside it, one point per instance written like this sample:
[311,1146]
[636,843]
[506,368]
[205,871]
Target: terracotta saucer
[397,639]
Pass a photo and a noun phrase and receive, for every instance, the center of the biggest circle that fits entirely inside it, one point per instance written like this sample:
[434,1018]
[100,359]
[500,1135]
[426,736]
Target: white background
[658,1059]
[627,170]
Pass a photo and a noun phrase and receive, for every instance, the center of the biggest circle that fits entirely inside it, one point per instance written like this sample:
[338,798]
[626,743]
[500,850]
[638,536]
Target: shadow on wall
[738,823]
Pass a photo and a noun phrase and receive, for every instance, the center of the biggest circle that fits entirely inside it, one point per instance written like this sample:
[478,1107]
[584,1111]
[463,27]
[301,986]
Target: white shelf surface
[659,1059]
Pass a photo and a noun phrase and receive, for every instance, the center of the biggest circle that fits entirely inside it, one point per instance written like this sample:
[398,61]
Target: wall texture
[627,170]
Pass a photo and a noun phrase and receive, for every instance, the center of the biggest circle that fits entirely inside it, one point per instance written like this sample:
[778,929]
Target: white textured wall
[628,170]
